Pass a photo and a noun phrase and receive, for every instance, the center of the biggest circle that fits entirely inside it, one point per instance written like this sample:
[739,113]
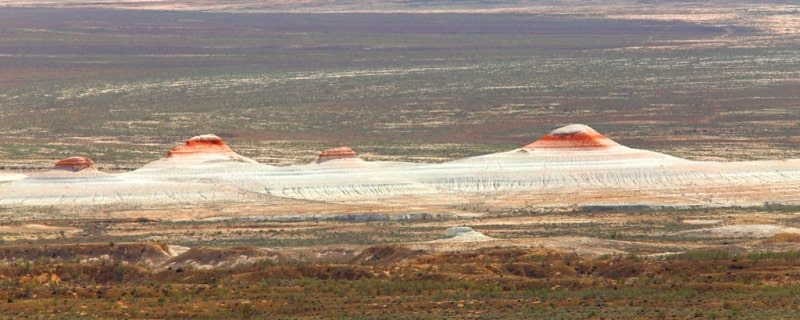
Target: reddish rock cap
[74,164]
[337,153]
[202,144]
[574,136]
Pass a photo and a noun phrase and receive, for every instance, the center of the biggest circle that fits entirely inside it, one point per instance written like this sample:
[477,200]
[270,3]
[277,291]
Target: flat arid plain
[408,159]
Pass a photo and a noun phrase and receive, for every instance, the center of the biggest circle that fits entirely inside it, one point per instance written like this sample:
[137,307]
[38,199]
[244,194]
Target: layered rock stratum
[341,157]
[571,167]
[75,164]
[336,154]
[76,167]
[204,148]
[574,136]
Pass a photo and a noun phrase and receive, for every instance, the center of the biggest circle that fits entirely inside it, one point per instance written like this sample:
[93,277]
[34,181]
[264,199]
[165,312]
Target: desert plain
[359,159]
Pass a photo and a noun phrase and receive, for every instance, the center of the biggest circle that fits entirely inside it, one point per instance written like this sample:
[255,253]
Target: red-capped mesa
[74,164]
[202,144]
[574,136]
[337,153]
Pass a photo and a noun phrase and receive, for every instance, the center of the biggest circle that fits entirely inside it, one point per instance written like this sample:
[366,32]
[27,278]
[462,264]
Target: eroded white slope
[515,171]
[8,177]
[573,164]
[108,189]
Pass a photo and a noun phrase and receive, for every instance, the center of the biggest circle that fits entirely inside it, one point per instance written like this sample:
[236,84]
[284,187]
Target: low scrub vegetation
[487,283]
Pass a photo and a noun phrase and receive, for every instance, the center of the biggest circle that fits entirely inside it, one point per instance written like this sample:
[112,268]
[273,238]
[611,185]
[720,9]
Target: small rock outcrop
[339,158]
[464,234]
[574,136]
[74,164]
[336,153]
[71,168]
[456,231]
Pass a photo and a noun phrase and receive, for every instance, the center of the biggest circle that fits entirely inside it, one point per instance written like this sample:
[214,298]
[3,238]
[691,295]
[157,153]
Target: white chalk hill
[572,165]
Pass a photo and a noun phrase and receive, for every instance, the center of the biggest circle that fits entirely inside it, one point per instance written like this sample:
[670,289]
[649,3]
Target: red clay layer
[205,144]
[337,153]
[74,164]
[572,137]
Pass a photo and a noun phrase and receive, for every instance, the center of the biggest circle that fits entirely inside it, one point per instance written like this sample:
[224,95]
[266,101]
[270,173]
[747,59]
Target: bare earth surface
[777,16]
